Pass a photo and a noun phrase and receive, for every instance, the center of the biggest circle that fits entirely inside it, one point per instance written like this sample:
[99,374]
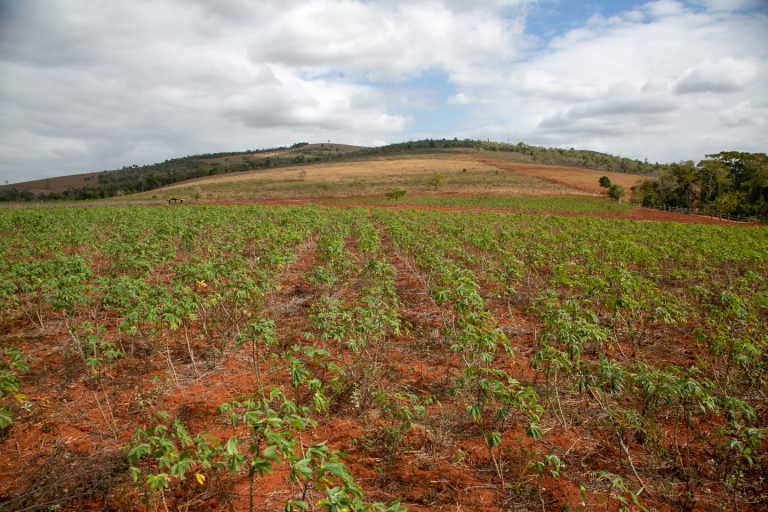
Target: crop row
[646,341]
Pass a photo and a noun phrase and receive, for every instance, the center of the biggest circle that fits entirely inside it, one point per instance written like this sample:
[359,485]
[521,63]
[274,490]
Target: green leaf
[135,473]
[493,439]
[261,466]
[270,453]
[5,418]
[232,447]
[302,469]
[158,482]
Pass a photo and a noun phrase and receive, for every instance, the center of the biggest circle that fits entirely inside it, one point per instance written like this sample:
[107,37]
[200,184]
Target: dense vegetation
[136,178]
[727,182]
[14,194]
[174,357]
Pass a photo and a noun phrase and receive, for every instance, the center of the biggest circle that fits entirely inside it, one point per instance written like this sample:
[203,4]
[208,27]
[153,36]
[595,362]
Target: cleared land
[462,173]
[575,177]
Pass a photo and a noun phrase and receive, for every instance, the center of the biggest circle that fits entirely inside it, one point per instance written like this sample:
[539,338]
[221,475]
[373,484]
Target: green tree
[714,179]
[616,192]
[728,182]
[605,182]
[396,194]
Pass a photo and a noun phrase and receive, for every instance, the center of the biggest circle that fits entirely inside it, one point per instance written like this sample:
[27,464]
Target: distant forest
[535,154]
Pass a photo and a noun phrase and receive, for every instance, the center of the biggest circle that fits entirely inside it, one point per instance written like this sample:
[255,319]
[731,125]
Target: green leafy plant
[165,452]
[11,363]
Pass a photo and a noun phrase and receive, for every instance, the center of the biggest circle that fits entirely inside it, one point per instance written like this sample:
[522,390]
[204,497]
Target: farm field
[276,357]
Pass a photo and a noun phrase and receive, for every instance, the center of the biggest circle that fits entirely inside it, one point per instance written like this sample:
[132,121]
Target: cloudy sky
[88,85]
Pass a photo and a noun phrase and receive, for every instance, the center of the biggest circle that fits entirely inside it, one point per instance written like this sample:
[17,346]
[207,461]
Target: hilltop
[133,178]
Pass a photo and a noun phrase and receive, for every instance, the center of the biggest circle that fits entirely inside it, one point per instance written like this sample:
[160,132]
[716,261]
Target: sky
[88,85]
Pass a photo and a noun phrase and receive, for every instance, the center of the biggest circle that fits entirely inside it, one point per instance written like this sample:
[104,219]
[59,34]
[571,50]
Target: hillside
[458,172]
[133,178]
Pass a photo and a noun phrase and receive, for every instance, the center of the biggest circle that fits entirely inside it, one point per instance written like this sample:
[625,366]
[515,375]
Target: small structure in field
[175,200]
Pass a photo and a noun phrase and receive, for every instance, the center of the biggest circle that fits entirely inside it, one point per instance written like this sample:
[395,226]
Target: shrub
[616,192]
[436,180]
[396,193]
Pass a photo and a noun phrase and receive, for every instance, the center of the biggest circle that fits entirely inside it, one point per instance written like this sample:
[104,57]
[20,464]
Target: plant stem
[191,352]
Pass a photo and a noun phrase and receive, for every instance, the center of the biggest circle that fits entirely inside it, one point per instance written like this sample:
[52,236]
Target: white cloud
[389,40]
[724,75]
[675,83]
[741,114]
[135,82]
[88,86]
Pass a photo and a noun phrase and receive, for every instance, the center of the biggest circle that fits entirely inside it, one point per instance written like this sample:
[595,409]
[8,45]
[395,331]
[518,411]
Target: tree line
[729,182]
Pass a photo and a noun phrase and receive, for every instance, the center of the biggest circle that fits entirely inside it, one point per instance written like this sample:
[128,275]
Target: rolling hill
[133,178]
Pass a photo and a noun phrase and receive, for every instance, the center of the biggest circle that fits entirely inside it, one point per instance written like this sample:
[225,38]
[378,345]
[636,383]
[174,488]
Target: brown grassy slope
[575,177]
[60,184]
[57,184]
[374,175]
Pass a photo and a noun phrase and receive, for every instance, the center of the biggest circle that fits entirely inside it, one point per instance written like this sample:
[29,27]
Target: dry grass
[376,175]
[574,177]
[58,184]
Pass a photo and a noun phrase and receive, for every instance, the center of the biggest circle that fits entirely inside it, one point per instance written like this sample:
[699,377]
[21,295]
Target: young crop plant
[11,363]
[618,490]
[96,352]
[364,324]
[165,453]
[321,469]
[57,283]
[636,304]
[399,410]
[570,328]
[269,426]
[498,398]
[303,363]
[260,335]
[272,427]
[735,333]
[744,454]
